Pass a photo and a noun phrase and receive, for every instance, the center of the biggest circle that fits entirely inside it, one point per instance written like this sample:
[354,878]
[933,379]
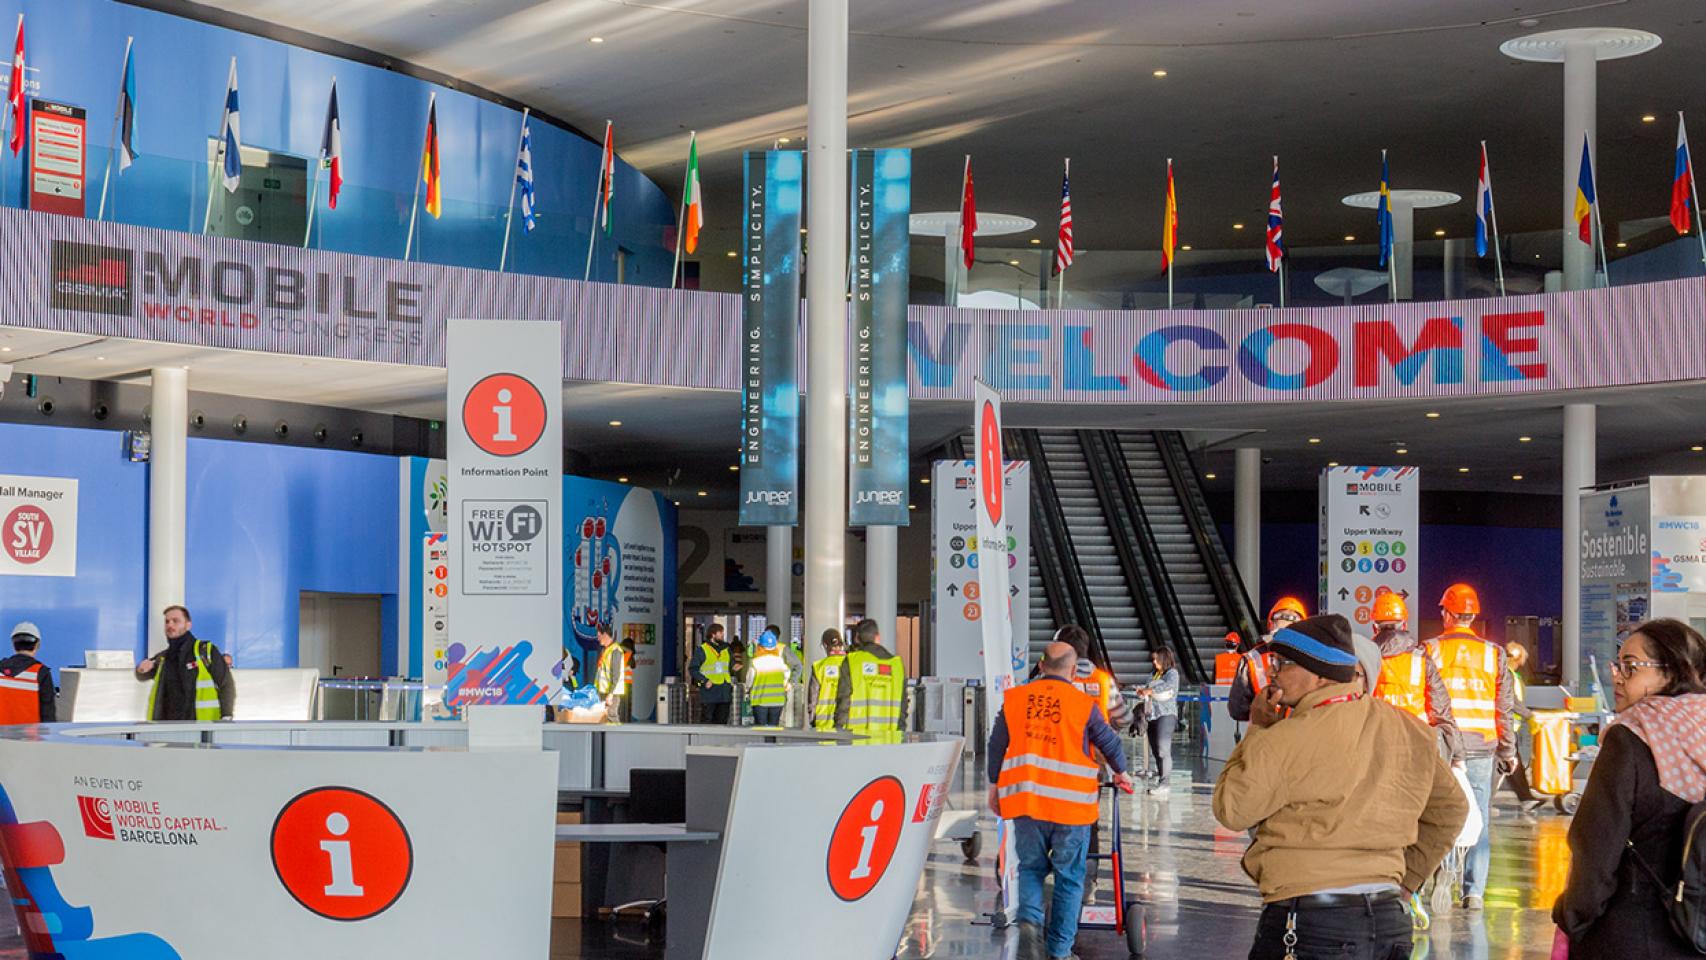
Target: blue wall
[181,68]
[102,606]
[264,524]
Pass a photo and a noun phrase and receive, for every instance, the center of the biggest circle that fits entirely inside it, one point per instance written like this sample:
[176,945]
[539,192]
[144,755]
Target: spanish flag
[1585,197]
[429,161]
[1169,222]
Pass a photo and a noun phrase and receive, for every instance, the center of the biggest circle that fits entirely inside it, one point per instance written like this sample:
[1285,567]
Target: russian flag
[1682,180]
[1483,206]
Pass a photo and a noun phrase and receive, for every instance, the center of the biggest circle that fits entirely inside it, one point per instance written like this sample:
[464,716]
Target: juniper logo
[91,278]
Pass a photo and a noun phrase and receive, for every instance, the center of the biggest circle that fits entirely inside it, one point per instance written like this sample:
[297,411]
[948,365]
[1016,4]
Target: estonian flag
[127,113]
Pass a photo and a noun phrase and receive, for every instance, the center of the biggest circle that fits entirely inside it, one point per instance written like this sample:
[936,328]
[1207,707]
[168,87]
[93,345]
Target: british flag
[1063,245]
[1276,225]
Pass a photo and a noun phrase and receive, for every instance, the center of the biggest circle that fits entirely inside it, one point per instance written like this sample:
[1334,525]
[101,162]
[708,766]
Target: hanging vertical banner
[880,210]
[769,350]
[1001,659]
[505,402]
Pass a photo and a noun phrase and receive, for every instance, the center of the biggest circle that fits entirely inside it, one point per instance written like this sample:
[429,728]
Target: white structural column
[1580,470]
[1247,519]
[882,557]
[168,428]
[826,319]
[779,578]
[1579,49]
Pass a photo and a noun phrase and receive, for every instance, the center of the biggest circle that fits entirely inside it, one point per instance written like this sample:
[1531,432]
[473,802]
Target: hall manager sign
[38,526]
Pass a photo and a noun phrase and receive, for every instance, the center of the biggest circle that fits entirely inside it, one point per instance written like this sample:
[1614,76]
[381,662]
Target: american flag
[1063,245]
[1276,225]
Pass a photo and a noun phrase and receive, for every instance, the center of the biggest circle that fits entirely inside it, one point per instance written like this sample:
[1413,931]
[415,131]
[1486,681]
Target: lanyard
[1341,698]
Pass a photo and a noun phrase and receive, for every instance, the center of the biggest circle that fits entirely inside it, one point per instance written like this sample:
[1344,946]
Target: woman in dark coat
[1651,769]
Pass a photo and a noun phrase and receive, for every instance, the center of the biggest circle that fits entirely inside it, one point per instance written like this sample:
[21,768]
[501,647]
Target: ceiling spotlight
[1462,469]
[734,468]
[1185,247]
[1314,439]
[100,358]
[1209,476]
[616,423]
[621,479]
[5,349]
[1440,232]
[1697,448]
[784,139]
[595,39]
[1516,476]
[1160,73]
[1432,414]
[1350,237]
[1332,463]
[1012,263]
[678,503]
[1524,439]
[733,254]
[1402,450]
[1647,118]
[912,506]
[1238,226]
[1035,241]
[925,481]
[1621,244]
[703,493]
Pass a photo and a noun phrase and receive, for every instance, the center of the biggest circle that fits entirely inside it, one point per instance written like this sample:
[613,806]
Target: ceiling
[681,441]
[1020,84]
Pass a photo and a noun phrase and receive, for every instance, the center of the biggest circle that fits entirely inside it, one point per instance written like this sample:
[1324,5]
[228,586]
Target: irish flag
[692,197]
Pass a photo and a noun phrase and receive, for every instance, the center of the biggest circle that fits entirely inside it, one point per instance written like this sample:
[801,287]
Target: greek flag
[524,176]
[232,173]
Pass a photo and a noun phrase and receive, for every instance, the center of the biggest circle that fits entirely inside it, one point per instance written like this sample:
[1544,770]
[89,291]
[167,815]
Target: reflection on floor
[1185,870]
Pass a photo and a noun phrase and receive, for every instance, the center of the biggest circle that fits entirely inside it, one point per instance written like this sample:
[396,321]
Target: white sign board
[1617,572]
[505,510]
[327,853]
[958,598]
[38,526]
[1370,520]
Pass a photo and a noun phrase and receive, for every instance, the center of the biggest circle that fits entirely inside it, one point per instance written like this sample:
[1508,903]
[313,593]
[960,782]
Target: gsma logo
[90,278]
[504,414]
[341,853]
[97,814]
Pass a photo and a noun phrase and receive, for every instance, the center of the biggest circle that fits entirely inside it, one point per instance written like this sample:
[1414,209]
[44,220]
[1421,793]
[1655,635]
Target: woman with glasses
[1627,838]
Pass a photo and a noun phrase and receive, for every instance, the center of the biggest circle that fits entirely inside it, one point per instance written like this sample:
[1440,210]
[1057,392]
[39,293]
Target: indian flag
[692,197]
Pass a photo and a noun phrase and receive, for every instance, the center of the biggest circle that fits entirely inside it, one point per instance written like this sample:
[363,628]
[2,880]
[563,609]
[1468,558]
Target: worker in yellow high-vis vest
[870,698]
[1476,673]
[611,680]
[712,672]
[826,679]
[767,681]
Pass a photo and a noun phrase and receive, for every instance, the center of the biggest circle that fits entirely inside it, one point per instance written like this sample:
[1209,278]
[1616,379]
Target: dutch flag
[1483,206]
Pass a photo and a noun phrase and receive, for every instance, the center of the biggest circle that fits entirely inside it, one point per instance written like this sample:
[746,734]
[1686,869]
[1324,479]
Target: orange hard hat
[1292,605]
[1390,608]
[1232,639]
[1461,599]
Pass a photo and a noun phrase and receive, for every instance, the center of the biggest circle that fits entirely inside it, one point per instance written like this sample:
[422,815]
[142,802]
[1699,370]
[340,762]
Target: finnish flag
[232,171]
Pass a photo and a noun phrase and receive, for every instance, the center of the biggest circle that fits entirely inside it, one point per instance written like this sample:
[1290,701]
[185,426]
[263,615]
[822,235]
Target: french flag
[332,149]
[1682,181]
[1483,206]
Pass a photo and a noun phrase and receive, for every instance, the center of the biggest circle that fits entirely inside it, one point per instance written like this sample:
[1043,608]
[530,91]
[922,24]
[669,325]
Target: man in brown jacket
[1352,806]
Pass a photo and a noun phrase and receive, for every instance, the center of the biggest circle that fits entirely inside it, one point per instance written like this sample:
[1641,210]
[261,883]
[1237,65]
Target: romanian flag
[1682,180]
[1169,222]
[692,197]
[607,172]
[1585,197]
[429,161]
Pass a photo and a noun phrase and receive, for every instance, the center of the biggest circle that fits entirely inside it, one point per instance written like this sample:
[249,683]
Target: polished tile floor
[1185,870]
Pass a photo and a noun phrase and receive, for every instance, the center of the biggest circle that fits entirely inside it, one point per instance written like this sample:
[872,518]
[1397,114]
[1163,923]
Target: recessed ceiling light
[616,423]
[1516,476]
[1035,241]
[1209,476]
[1238,226]
[1528,22]
[784,139]
[1697,449]
[1440,232]
[678,503]
[733,254]
[912,506]
[1621,244]
[1332,463]
[1160,73]
[1647,118]
[703,493]
[1402,450]
[1537,256]
[734,468]
[925,481]
[1524,439]
[595,39]
[1432,414]
[1185,247]
[1462,469]
[1314,439]
[1012,263]
[621,479]
[5,349]
[1349,237]
[100,358]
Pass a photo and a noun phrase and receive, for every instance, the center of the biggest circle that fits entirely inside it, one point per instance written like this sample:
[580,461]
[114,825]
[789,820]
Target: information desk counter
[159,841]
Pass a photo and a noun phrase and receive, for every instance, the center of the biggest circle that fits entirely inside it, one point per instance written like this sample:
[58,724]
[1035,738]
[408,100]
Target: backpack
[1687,907]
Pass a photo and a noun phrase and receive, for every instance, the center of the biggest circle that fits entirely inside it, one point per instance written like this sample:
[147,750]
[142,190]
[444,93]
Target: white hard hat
[27,629]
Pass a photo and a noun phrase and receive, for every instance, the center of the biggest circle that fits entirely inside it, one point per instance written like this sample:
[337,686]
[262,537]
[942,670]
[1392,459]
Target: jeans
[766,716]
[1480,772]
[1044,847]
[1368,931]
[1161,744]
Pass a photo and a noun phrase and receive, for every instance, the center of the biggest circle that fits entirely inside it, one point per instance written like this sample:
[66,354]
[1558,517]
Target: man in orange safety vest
[1409,678]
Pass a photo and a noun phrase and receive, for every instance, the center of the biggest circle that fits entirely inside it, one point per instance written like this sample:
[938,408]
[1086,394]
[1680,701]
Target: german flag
[429,161]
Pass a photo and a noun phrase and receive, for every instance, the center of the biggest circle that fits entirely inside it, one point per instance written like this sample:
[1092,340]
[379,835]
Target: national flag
[127,112]
[232,172]
[1276,224]
[1169,222]
[430,160]
[332,149]
[1682,180]
[1063,243]
[15,98]
[607,172]
[968,217]
[1483,206]
[692,197]
[1383,212]
[1585,196]
[524,176]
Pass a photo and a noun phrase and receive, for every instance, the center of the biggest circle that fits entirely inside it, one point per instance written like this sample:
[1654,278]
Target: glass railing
[172,194]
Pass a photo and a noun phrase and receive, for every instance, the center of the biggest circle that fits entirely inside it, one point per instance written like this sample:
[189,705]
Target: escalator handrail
[1054,520]
[1237,613]
[1177,630]
[1240,594]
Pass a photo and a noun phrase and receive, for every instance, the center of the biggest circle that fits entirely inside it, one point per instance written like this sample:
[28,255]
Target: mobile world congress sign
[505,404]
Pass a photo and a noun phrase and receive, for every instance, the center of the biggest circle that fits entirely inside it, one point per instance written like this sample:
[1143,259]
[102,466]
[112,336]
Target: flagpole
[415,204]
[681,220]
[1694,188]
[509,211]
[118,117]
[1493,210]
[219,156]
[597,202]
[1599,221]
[1282,280]
[314,185]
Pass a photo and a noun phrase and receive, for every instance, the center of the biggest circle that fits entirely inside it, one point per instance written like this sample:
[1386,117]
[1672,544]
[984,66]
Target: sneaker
[1471,902]
[1030,941]
[1161,791]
